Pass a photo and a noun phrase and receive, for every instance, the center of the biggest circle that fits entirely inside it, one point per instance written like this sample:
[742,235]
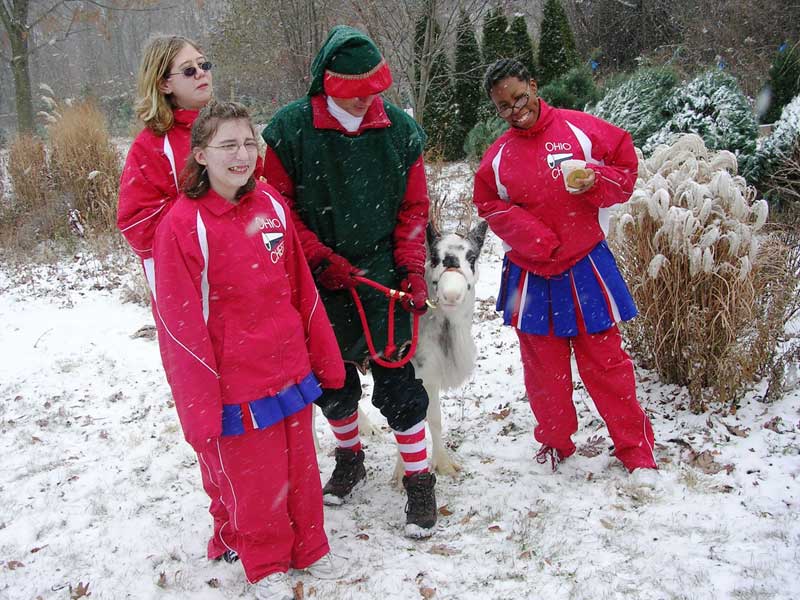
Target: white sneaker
[327,567]
[646,478]
[274,587]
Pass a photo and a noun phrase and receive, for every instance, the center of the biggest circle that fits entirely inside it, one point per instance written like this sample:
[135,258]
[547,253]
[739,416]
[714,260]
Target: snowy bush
[574,90]
[714,291]
[482,136]
[778,163]
[637,104]
[713,106]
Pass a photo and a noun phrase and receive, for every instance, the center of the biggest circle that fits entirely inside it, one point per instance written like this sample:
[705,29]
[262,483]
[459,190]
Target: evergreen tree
[434,82]
[637,104]
[557,53]
[522,44]
[575,90]
[714,107]
[467,81]
[496,43]
[784,80]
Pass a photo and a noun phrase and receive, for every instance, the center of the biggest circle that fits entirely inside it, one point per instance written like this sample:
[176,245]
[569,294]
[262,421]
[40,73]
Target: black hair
[505,67]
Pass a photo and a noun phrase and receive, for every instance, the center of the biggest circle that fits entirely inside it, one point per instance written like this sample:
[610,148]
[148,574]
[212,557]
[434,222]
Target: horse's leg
[441,461]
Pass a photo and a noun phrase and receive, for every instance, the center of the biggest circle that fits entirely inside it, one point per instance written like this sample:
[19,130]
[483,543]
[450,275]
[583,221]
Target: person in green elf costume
[350,166]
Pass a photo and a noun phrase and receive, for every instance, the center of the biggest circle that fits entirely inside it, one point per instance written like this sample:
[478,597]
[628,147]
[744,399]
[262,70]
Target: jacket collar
[184,117]
[375,118]
[218,205]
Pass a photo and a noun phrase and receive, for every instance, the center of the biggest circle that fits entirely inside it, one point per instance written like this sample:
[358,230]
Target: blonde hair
[154,107]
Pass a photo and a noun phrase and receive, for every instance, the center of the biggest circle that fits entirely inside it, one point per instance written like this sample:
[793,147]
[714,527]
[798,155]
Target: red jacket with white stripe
[520,192]
[149,183]
[239,317]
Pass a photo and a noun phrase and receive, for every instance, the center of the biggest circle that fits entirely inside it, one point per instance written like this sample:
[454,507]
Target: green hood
[339,37]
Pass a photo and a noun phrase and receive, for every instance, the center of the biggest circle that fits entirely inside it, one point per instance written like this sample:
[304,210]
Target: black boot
[421,505]
[348,472]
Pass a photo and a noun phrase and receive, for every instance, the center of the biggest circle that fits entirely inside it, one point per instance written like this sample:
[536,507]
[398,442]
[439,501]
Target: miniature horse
[446,352]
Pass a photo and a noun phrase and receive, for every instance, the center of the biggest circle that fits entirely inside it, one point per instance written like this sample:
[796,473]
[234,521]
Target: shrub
[85,164]
[32,214]
[714,291]
[713,106]
[784,81]
[637,104]
[778,164]
[482,136]
[575,89]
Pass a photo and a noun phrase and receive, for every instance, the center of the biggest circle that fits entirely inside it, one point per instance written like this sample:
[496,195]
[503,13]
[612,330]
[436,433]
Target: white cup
[578,167]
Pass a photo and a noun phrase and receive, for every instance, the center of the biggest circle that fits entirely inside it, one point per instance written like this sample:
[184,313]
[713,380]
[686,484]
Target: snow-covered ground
[100,494]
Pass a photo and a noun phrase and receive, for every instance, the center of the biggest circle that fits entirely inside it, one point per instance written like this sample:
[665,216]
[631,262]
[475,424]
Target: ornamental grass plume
[714,289]
[85,164]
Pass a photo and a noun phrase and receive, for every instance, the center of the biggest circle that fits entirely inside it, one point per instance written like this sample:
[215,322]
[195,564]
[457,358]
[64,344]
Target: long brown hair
[154,107]
[194,177]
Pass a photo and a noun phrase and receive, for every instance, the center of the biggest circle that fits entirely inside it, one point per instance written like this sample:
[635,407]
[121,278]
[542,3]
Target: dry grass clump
[85,164]
[31,212]
[713,288]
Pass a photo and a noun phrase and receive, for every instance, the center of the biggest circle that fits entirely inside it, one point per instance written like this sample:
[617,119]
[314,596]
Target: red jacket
[239,317]
[520,192]
[149,183]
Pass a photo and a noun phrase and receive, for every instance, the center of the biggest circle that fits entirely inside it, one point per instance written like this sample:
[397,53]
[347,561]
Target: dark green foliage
[574,90]
[496,43]
[467,81]
[637,103]
[483,135]
[784,81]
[557,53]
[522,44]
[439,115]
[713,106]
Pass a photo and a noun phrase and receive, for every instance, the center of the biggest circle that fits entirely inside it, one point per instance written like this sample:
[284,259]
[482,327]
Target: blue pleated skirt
[267,411]
[593,291]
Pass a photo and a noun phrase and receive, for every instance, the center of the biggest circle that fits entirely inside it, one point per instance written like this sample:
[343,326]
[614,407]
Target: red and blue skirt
[265,412]
[593,291]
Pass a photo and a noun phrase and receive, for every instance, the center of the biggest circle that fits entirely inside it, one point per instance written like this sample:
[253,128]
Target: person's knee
[400,396]
[343,402]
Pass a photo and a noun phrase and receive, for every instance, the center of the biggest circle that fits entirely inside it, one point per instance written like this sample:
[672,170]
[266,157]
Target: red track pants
[266,497]
[607,372]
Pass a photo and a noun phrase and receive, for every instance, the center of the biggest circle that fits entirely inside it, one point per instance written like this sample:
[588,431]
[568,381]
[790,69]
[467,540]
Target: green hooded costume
[350,190]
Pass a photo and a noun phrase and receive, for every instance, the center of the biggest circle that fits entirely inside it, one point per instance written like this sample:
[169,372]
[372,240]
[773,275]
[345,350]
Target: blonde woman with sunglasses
[174,83]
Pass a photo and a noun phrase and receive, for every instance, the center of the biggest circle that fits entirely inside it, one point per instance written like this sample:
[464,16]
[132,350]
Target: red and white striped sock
[346,432]
[413,451]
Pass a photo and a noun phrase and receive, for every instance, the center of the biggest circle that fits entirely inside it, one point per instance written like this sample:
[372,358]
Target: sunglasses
[191,71]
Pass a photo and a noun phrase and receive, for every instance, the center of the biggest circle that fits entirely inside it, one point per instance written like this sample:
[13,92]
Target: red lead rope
[390,349]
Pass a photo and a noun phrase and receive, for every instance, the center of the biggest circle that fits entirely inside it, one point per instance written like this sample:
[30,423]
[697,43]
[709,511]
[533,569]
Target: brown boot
[421,505]
[349,470]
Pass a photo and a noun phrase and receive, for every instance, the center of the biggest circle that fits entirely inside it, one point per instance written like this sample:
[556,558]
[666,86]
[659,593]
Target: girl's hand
[581,184]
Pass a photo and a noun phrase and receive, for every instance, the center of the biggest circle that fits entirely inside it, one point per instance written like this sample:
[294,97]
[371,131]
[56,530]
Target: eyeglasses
[191,71]
[251,146]
[518,105]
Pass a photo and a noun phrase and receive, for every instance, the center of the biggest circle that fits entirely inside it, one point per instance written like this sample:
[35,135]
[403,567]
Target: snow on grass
[98,487]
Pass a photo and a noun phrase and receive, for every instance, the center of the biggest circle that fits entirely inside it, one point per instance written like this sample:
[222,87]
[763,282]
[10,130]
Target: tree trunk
[22,81]
[15,22]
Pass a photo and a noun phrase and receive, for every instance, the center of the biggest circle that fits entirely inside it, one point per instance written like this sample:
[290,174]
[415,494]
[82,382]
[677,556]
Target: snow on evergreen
[779,145]
[713,106]
[637,104]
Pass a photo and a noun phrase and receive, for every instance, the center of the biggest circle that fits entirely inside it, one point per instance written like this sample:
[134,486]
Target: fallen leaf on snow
[594,446]
[213,582]
[427,592]
[80,591]
[443,550]
[362,536]
[445,511]
[13,565]
[500,415]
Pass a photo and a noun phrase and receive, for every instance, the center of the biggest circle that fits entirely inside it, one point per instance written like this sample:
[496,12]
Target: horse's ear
[478,235]
[431,234]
